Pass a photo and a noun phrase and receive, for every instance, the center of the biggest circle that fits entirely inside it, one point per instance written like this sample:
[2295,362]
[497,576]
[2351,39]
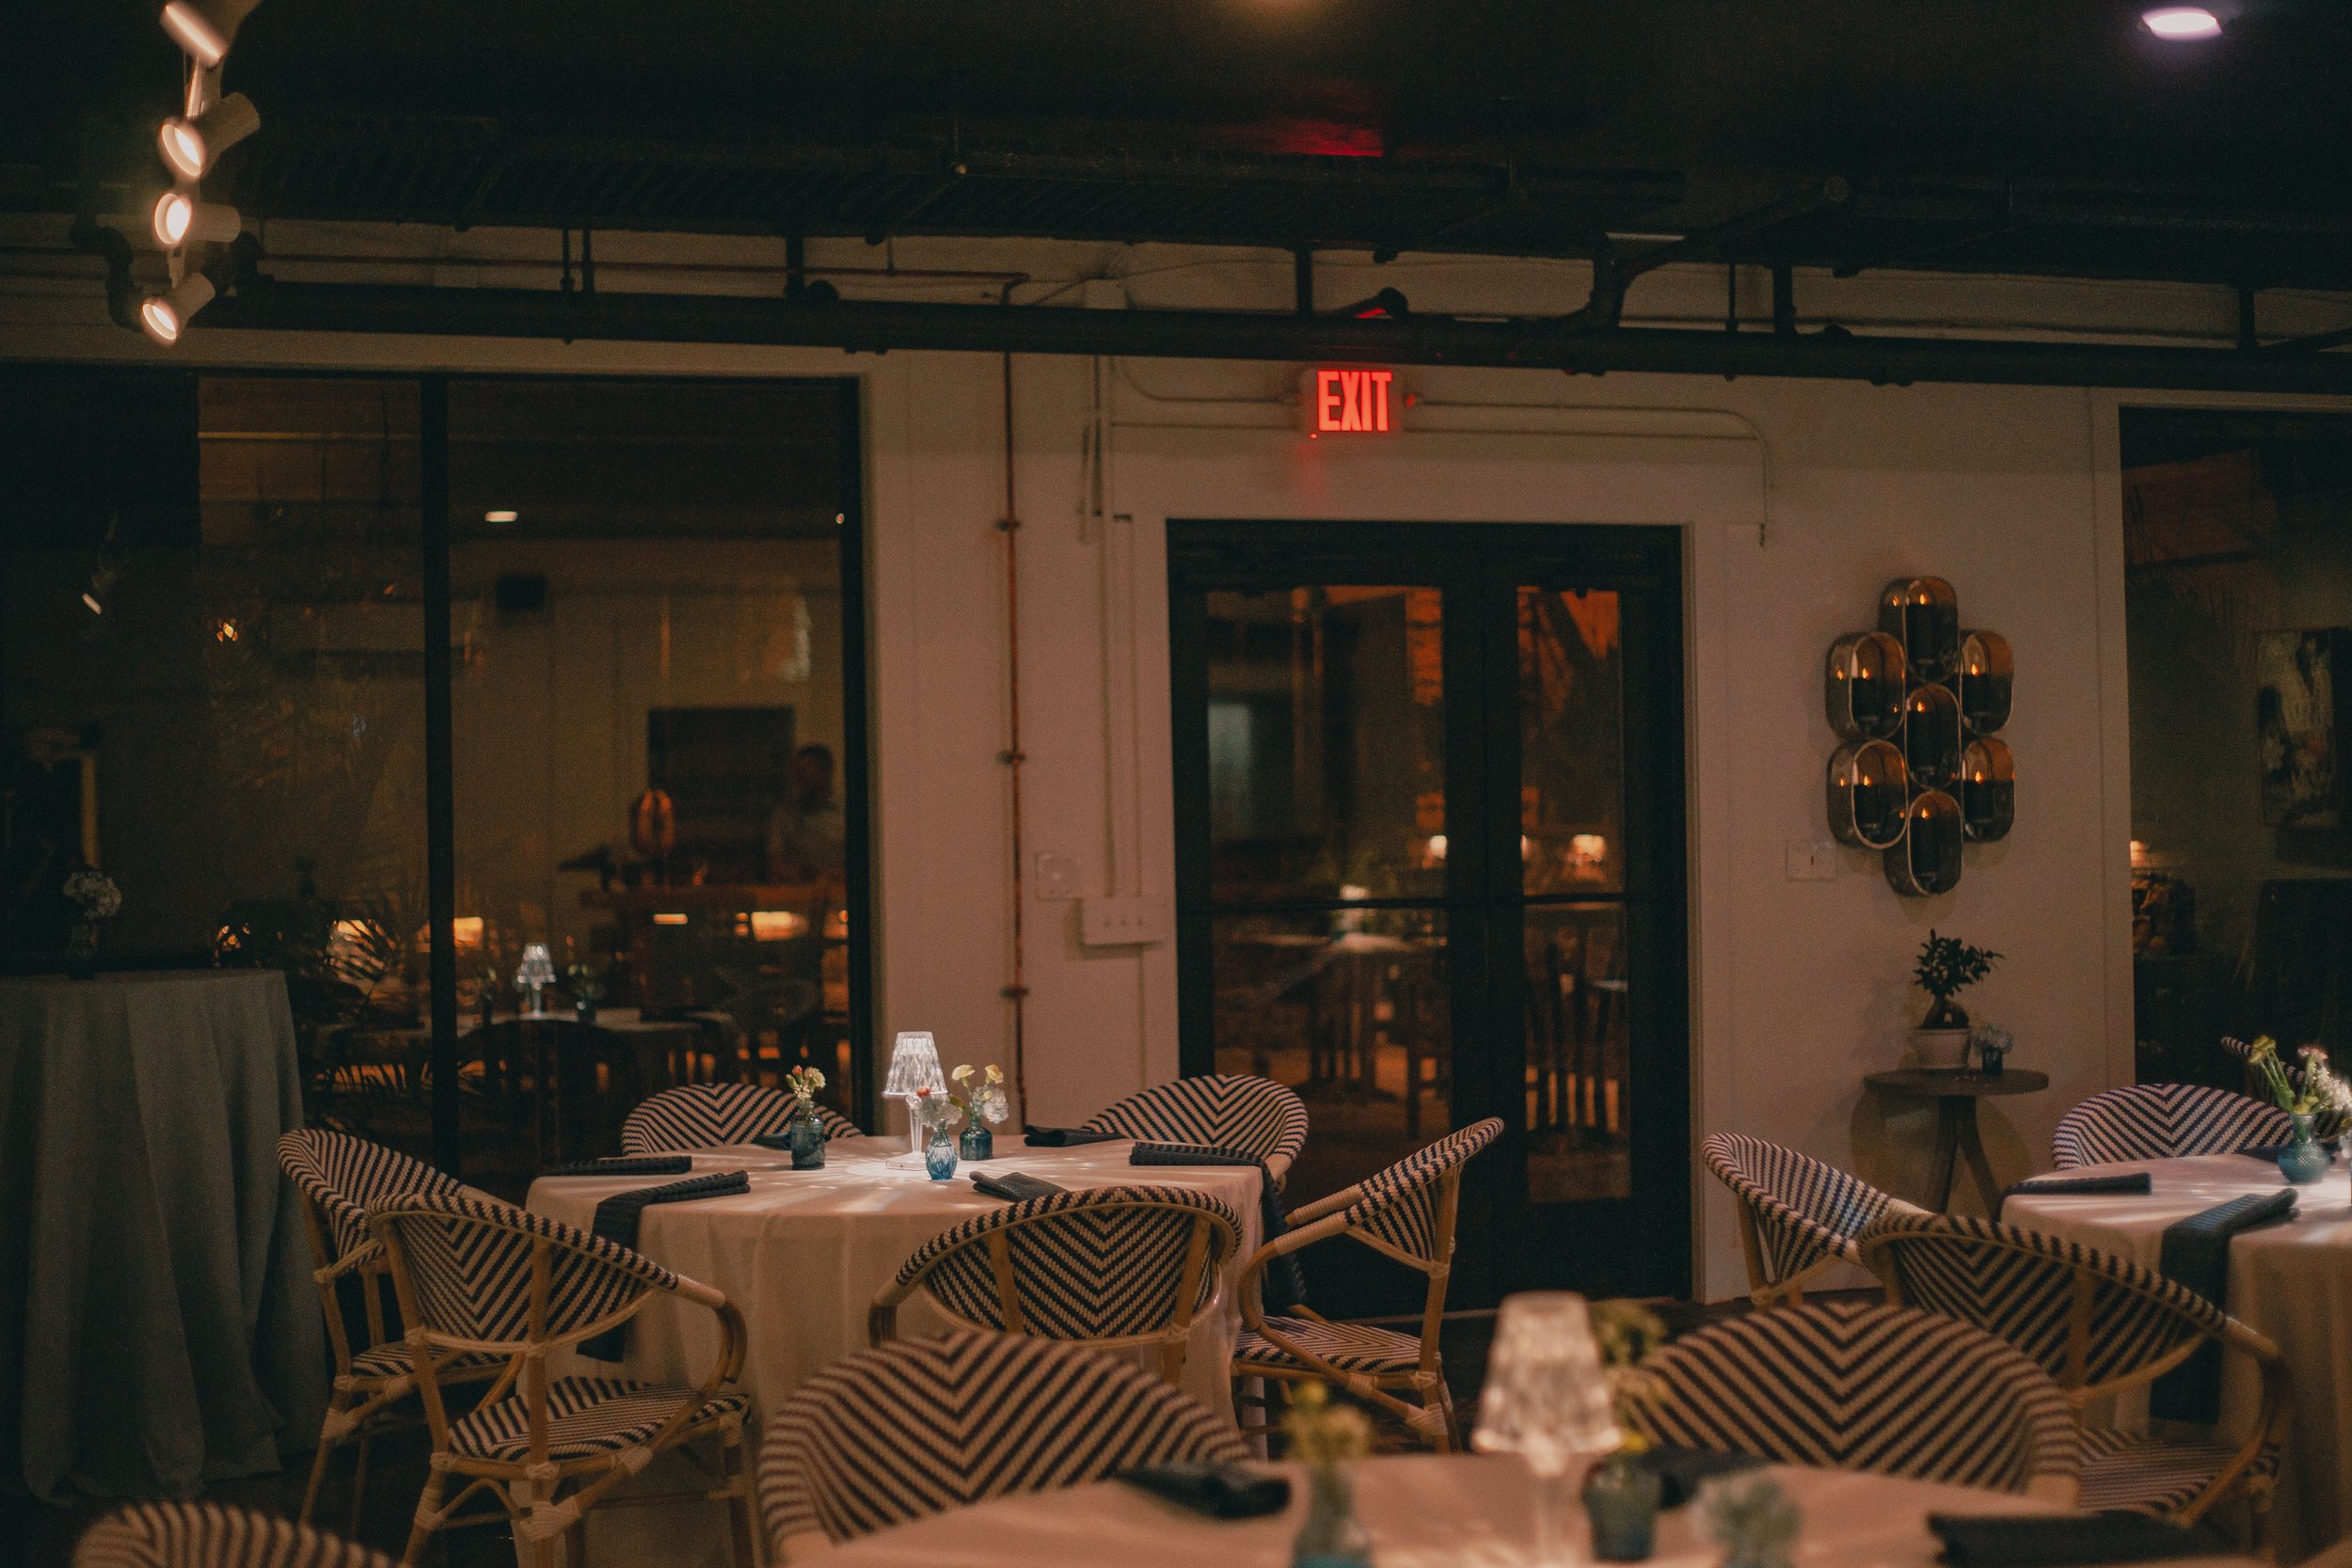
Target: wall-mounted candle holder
[1918,701]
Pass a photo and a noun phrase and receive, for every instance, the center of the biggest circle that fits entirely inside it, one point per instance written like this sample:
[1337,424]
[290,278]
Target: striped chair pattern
[208,1535]
[1221,1110]
[1116,1267]
[2097,1323]
[339,1176]
[2163,1122]
[1406,1213]
[474,1274]
[711,1115]
[921,1426]
[1797,1215]
[1859,1386]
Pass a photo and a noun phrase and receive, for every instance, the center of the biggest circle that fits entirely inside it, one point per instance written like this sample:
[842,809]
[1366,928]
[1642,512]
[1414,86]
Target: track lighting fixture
[180,219]
[194,32]
[190,145]
[165,316]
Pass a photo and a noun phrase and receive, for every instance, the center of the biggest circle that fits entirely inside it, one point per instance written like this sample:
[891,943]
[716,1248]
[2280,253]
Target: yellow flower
[962,1073]
[995,1074]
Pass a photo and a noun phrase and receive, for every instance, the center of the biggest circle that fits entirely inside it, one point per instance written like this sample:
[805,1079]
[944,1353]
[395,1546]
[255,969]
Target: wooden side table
[1956,1095]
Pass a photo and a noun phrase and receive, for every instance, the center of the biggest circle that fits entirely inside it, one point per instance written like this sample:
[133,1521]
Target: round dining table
[2291,1281]
[1421,1511]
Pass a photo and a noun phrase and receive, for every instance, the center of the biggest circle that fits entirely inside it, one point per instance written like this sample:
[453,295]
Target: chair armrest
[1331,1203]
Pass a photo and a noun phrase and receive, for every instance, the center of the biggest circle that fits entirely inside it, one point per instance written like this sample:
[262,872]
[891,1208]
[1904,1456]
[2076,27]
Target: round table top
[1957,1084]
[1464,1511]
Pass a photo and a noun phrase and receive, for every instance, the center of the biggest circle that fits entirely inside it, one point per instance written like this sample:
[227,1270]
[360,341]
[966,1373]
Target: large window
[216,686]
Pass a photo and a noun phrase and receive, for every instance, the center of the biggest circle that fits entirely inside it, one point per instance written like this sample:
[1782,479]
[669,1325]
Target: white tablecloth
[1422,1512]
[158,1327]
[2292,1281]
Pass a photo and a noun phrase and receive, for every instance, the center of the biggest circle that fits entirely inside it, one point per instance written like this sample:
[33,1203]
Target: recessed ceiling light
[2180,23]
[500,516]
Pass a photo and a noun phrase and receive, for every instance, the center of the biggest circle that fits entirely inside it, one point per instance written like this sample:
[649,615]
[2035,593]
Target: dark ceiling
[2027,135]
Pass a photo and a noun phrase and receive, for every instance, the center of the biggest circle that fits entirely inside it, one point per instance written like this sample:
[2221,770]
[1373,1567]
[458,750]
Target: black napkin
[1067,1137]
[1282,1288]
[2195,1253]
[2268,1153]
[1014,1185]
[617,1220]
[2126,1181]
[1219,1491]
[627,1164]
[1680,1471]
[2056,1540]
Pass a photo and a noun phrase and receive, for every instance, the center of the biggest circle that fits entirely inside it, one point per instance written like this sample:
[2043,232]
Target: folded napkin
[1680,1471]
[1218,1491]
[1013,1185]
[2075,1186]
[1282,1288]
[627,1164]
[1067,1137]
[617,1219]
[2268,1153]
[2057,1540]
[2195,1253]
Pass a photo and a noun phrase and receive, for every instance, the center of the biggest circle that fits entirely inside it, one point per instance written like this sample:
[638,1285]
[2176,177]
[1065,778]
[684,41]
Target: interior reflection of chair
[770,1016]
[1574,1062]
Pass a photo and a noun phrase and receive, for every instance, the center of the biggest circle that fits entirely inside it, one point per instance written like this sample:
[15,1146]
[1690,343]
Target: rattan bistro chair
[920,1426]
[1798,1217]
[1224,1110]
[1859,1386]
[2164,1121]
[1406,1213]
[208,1535]
[474,1274]
[1116,1267]
[2098,1324]
[711,1115]
[339,1176]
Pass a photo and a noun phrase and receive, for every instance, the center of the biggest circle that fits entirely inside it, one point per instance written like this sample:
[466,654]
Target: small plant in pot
[1947,966]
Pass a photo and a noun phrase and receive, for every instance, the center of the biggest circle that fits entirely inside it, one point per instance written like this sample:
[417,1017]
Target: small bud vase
[2304,1161]
[807,1138]
[939,1155]
[1621,1499]
[1332,1536]
[978,1142]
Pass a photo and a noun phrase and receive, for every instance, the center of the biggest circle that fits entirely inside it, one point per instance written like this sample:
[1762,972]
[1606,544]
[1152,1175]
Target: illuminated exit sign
[1349,403]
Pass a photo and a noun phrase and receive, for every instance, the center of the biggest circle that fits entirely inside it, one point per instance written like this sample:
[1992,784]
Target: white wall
[1798,987]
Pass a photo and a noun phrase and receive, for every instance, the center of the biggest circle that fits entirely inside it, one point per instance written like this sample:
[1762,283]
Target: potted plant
[1621,1494]
[2305,1092]
[1947,966]
[805,1132]
[979,1096]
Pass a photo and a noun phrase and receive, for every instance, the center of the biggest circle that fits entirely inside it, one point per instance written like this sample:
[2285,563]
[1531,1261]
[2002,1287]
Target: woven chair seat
[2148,1475]
[384,1363]
[207,1535]
[1358,1347]
[586,1416]
[1250,1116]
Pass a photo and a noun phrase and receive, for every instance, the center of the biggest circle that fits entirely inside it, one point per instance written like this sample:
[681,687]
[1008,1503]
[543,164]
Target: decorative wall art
[1917,703]
[2300,682]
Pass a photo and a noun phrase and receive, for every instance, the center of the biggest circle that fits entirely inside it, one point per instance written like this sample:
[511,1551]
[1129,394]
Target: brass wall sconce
[1916,703]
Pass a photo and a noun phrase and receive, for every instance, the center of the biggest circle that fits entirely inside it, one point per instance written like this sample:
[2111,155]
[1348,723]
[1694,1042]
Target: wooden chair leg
[428,1515]
[318,1475]
[359,1485]
[739,1522]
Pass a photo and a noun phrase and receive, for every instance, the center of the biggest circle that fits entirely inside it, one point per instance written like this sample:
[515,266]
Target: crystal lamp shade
[538,969]
[1546,1397]
[914,1067]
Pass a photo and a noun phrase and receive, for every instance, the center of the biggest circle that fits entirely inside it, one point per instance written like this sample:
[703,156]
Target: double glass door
[1430,869]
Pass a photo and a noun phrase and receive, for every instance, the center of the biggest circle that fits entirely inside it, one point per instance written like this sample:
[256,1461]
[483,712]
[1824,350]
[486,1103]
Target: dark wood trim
[440,807]
[857,771]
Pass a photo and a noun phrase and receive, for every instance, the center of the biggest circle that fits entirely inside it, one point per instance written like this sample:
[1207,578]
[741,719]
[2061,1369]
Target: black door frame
[1482,566]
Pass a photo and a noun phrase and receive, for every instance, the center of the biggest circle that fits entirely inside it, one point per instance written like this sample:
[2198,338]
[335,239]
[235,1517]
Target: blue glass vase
[1621,1499]
[978,1142]
[2304,1161]
[807,1138]
[939,1155]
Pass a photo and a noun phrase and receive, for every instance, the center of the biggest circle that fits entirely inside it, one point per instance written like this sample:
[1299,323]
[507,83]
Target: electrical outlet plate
[1120,922]
[1056,874]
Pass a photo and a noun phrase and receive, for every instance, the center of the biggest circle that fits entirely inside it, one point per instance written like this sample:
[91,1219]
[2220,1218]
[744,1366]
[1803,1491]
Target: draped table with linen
[802,1253]
[155,1299]
[2291,1282]
[1422,1512]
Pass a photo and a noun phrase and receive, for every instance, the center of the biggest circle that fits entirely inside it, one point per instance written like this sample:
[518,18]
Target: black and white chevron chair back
[921,1426]
[207,1535]
[466,1263]
[1397,1210]
[1806,1213]
[1101,1265]
[2029,1290]
[1857,1385]
[2164,1121]
[342,1176]
[1252,1116]
[707,1115]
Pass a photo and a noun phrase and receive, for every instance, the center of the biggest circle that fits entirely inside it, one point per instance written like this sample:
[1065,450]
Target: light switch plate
[1120,922]
[1813,860]
[1056,874]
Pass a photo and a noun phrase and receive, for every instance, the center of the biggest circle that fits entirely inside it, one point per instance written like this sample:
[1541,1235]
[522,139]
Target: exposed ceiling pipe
[879,326]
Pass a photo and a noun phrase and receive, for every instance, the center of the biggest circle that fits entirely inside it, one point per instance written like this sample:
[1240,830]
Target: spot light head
[194,32]
[165,316]
[180,219]
[189,146]
[2182,23]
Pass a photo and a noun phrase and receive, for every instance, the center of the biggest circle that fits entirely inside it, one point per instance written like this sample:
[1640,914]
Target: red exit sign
[1350,403]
